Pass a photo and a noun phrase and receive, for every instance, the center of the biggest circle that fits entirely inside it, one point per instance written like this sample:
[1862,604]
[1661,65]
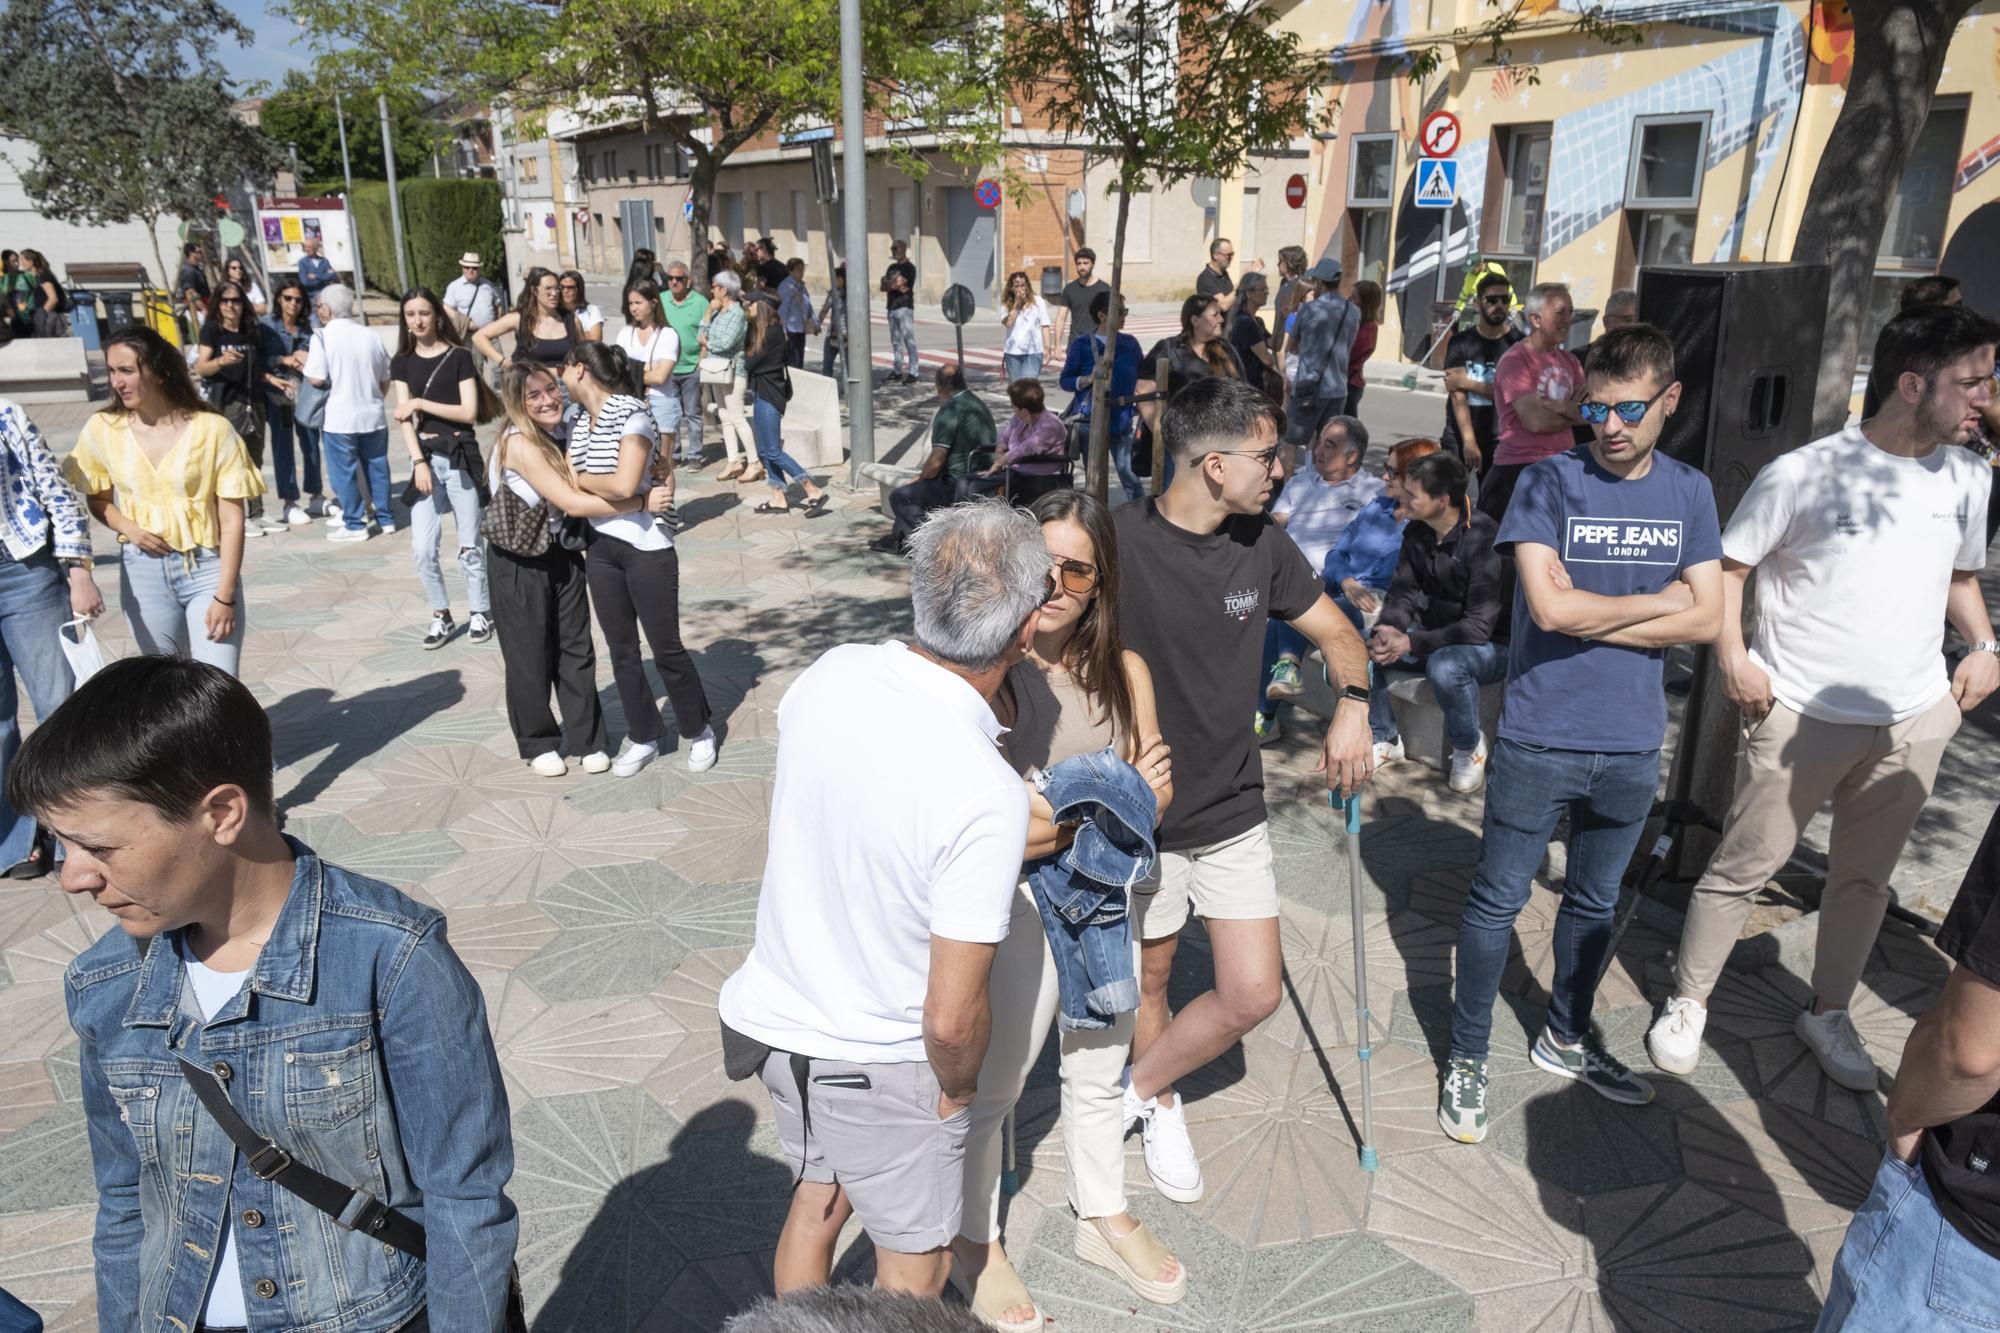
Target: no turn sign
[1439,134]
[1295,191]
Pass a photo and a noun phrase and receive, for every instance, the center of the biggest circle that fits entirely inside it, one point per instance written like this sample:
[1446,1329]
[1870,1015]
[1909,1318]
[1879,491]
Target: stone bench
[44,370]
[811,433]
[1418,717]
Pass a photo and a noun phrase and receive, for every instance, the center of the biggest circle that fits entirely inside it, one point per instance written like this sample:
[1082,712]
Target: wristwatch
[1357,693]
[71,562]
[1986,646]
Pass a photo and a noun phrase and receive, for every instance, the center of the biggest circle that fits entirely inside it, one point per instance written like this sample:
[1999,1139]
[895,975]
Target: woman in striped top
[630,566]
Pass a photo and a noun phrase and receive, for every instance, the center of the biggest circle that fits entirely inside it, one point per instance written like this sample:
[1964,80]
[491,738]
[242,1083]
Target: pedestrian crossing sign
[1437,182]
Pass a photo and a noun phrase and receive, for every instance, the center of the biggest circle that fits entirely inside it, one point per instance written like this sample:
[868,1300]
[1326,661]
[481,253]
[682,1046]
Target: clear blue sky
[276,45]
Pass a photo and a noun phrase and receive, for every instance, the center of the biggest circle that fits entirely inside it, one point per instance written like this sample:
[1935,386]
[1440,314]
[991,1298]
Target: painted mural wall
[1767,78]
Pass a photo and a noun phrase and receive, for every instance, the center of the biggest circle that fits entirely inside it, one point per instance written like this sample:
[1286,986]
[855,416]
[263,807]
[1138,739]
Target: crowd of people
[934,898]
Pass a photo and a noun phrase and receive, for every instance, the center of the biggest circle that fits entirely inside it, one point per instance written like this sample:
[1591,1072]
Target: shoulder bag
[309,407]
[514,525]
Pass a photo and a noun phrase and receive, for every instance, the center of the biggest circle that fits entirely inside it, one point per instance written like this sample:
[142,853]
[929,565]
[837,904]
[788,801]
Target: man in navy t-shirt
[1618,557]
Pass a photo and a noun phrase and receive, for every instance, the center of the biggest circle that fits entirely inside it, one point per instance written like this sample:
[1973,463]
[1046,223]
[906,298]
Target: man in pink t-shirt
[1535,388]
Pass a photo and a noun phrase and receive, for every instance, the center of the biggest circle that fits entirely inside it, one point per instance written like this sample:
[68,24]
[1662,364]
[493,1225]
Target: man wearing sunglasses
[1617,558]
[1534,388]
[1471,429]
[1863,543]
[1204,571]
[685,308]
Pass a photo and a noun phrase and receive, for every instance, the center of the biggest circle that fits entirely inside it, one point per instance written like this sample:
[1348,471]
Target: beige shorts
[1231,880]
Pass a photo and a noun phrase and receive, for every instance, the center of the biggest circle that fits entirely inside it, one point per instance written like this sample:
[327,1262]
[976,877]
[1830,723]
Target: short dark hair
[1100,305]
[191,248]
[1925,340]
[1085,252]
[1027,395]
[951,376]
[1214,412]
[162,731]
[1627,353]
[1493,280]
[1933,290]
[1441,475]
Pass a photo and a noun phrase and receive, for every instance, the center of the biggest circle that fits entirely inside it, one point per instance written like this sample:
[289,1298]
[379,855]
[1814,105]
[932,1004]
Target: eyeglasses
[1077,576]
[291,300]
[677,278]
[1264,457]
[1631,413]
[550,394]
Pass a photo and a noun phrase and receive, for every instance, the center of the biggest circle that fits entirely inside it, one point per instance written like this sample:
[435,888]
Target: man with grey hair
[888,884]
[1621,309]
[353,366]
[685,309]
[1535,387]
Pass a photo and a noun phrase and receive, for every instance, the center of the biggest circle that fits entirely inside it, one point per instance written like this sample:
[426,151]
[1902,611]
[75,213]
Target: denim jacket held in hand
[1081,890]
[359,1045]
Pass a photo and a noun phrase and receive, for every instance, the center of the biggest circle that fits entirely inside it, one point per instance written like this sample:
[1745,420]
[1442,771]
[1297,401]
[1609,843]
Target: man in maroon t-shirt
[1535,387]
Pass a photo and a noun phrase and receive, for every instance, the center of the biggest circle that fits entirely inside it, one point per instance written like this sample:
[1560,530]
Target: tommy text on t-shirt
[1240,604]
[1649,541]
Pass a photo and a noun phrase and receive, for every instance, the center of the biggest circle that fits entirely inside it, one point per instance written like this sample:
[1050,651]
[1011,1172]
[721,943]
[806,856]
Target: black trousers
[542,613]
[795,350]
[909,502]
[635,589]
[1496,488]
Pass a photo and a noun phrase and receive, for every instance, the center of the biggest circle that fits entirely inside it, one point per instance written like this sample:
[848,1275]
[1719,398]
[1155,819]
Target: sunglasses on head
[1631,412]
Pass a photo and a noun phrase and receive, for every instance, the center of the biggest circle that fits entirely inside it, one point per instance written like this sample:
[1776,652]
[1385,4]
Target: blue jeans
[1904,1267]
[1608,797]
[348,457]
[166,598]
[1455,672]
[284,427]
[903,339]
[1121,463]
[1281,640]
[34,603]
[767,427]
[687,392]
[666,408]
[1022,365]
[457,492]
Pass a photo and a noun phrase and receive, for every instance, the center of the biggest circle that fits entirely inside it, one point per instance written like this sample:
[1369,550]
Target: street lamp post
[854,205]
[353,226]
[395,205]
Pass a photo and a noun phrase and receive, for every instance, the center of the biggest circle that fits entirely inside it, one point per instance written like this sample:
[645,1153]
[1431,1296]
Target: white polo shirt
[894,818]
[356,366]
[1316,511]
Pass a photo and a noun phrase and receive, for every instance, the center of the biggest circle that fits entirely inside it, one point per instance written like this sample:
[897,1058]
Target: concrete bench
[44,370]
[812,434]
[1418,718]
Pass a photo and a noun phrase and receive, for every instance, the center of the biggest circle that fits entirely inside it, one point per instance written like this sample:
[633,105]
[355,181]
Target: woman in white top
[236,271]
[589,319]
[1026,316]
[543,610]
[654,347]
[630,565]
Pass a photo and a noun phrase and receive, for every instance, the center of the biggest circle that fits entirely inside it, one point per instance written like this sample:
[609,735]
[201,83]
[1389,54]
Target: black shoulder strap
[357,1210]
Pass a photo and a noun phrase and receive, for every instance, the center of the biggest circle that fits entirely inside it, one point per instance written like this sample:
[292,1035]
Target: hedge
[442,219]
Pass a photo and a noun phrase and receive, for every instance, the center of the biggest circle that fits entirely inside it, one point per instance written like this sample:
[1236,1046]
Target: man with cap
[1324,334]
[472,301]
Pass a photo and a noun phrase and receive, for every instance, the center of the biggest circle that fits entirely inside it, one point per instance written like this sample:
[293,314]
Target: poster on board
[286,222]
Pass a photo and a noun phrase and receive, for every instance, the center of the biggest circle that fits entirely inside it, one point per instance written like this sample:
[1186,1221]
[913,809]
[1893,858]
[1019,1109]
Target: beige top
[1053,719]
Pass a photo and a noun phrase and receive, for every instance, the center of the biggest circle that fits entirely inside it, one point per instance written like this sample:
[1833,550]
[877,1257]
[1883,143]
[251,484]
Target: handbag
[309,407]
[717,370]
[269,1162]
[514,525]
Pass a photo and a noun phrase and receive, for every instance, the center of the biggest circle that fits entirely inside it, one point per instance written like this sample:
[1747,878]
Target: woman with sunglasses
[234,270]
[286,337]
[230,366]
[1079,691]
[165,471]
[543,331]
[589,319]
[723,383]
[538,581]
[631,567]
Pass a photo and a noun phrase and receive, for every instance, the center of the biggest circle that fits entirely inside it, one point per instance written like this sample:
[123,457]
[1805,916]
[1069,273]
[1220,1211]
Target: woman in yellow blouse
[169,475]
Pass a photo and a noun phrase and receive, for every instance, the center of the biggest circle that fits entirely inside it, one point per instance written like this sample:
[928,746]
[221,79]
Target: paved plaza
[601,915]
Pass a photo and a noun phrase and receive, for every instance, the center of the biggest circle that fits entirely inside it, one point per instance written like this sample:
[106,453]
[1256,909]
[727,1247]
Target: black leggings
[636,589]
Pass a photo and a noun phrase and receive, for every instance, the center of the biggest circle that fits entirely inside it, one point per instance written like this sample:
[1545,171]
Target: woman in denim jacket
[329,1009]
[1078,692]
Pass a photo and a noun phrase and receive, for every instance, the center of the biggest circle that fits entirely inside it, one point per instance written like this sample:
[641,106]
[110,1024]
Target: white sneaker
[252,528]
[701,751]
[1468,768]
[1674,1042]
[597,762]
[1388,752]
[636,757]
[350,534]
[1170,1158]
[296,517]
[1831,1037]
[549,764]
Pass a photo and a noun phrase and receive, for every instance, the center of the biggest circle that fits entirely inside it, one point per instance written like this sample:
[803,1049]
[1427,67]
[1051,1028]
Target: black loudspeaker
[1747,345]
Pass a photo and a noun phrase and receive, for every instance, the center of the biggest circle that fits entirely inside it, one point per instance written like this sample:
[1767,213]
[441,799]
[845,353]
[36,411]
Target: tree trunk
[1097,475]
[167,275]
[1899,52]
[701,192]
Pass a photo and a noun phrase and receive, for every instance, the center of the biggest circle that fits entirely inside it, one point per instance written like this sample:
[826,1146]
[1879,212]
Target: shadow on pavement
[302,723]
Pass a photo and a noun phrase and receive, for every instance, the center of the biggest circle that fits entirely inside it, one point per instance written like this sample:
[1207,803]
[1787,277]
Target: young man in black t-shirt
[1077,296]
[1471,421]
[899,283]
[1204,570]
[1923,1251]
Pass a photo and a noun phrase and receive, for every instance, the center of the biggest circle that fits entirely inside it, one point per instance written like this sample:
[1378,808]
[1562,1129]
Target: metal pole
[395,204]
[837,314]
[353,227]
[854,202]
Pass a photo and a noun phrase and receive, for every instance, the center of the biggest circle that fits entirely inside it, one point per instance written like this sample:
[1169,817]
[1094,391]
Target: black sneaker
[481,628]
[442,628]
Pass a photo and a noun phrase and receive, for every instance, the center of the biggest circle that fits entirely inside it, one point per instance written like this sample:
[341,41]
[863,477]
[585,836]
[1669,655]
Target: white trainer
[549,764]
[701,751]
[1170,1158]
[636,757]
[1674,1041]
[1468,768]
[597,762]
[1832,1038]
[1388,752]
[295,516]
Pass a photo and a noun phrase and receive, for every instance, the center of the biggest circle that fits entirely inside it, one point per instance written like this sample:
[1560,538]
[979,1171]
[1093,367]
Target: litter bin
[83,320]
[157,309]
[117,311]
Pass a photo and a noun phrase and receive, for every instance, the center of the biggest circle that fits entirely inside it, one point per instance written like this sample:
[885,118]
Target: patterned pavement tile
[624,928]
[692,1077]
[727,826]
[1677,1256]
[439,787]
[26,1091]
[1402,949]
[501,936]
[1801,1172]
[1488,1222]
[45,1261]
[516,848]
[579,1045]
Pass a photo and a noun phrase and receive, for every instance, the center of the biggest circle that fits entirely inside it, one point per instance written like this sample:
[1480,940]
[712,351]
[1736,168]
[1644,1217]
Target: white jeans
[727,400]
[1023,993]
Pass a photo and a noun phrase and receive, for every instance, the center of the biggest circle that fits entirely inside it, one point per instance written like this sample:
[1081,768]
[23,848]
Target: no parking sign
[987,193]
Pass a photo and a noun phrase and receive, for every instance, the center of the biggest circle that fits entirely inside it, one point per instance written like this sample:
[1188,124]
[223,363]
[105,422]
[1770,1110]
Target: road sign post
[987,194]
[957,307]
[1295,191]
[1437,182]
[1440,134]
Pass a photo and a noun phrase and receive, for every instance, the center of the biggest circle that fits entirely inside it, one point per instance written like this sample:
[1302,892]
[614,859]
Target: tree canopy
[301,114]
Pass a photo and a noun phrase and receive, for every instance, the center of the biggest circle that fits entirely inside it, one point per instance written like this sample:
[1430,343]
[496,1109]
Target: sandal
[750,477]
[768,508]
[1133,1256]
[998,1288]
[730,473]
[814,507]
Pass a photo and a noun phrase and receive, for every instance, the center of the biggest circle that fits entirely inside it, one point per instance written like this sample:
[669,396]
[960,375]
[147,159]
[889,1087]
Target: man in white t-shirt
[1315,507]
[351,363]
[889,880]
[1863,543]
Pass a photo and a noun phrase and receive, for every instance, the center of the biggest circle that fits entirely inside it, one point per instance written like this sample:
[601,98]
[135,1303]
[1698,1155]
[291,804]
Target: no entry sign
[987,193]
[1295,191]
[1439,134]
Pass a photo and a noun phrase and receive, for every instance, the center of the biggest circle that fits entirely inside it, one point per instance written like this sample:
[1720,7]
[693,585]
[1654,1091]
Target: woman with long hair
[48,318]
[236,271]
[766,353]
[538,580]
[631,567]
[1251,341]
[230,364]
[655,348]
[1291,269]
[17,294]
[1079,691]
[543,331]
[1026,316]
[589,319]
[1368,301]
[645,267]
[1198,351]
[437,392]
[180,528]
[723,384]
[286,337]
